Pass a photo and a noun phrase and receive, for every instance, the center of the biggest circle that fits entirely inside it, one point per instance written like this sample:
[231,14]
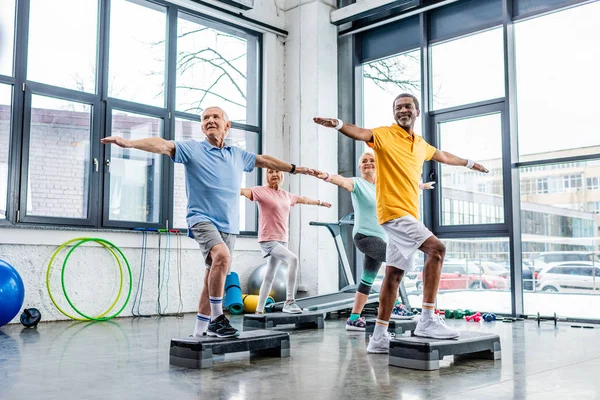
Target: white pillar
[310,91]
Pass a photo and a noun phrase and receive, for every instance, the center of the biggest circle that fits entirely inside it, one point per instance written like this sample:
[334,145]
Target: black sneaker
[220,327]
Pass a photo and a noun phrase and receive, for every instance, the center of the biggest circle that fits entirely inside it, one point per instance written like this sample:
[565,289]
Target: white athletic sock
[381,328]
[427,310]
[216,306]
[202,322]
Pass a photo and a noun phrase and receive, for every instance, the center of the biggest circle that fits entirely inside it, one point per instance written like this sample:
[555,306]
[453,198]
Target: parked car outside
[461,274]
[570,277]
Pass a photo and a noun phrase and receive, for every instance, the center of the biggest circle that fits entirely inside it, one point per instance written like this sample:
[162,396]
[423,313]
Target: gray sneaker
[291,308]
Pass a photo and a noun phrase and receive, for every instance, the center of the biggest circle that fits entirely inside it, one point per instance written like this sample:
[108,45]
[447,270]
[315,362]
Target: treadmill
[344,298]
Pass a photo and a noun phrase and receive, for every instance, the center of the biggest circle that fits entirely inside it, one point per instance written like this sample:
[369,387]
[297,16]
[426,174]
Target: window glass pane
[216,66]
[7,35]
[59,158]
[477,138]
[475,271]
[62,49]
[468,70]
[5,107]
[186,129]
[135,187]
[558,230]
[541,101]
[137,52]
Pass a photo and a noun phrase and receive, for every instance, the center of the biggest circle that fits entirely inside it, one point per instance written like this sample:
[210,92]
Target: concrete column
[311,90]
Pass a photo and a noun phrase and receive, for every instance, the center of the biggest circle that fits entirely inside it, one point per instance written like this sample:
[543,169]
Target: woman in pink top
[274,207]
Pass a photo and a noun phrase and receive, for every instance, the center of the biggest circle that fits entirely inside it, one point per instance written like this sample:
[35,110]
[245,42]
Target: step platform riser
[306,320]
[425,353]
[396,326]
[199,352]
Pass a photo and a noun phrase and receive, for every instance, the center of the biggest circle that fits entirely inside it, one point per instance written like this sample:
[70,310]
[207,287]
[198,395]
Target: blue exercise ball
[278,290]
[12,292]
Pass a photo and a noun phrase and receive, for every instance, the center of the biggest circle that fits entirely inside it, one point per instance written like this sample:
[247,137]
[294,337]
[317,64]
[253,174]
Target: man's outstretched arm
[352,131]
[152,145]
[265,161]
[448,158]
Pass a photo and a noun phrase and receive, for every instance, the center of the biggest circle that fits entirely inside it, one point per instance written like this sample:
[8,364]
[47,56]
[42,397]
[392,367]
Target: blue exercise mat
[232,300]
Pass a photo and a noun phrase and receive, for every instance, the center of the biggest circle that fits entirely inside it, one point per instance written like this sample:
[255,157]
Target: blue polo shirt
[213,179]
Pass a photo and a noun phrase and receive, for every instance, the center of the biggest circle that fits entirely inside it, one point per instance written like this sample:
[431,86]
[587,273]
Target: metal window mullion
[429,198]
[17,149]
[512,203]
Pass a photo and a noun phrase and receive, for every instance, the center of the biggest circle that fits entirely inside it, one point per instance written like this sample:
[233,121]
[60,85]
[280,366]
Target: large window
[135,185]
[59,158]
[65,54]
[137,52]
[499,79]
[470,197]
[7,35]
[553,91]
[467,70]
[131,68]
[216,67]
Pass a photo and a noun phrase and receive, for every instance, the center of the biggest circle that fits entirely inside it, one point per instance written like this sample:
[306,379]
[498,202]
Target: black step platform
[198,352]
[270,320]
[397,326]
[425,354]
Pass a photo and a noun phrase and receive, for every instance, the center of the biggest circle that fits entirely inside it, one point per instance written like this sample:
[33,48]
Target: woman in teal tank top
[369,236]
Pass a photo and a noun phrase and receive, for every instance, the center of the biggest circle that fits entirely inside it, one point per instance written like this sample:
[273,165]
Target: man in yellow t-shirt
[400,155]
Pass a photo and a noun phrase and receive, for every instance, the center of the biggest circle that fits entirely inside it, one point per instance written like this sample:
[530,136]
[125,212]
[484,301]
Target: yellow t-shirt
[400,158]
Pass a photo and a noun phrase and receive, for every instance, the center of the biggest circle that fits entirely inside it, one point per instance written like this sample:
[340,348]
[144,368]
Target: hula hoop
[97,240]
[48,280]
[109,246]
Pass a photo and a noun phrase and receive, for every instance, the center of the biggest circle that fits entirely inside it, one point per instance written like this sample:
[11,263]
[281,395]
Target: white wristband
[470,164]
[320,203]
[339,124]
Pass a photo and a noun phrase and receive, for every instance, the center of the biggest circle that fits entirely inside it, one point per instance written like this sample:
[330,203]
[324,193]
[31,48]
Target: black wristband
[293,169]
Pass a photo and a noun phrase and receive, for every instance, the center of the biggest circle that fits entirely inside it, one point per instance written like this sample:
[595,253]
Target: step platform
[397,326]
[308,319]
[425,353]
[198,352]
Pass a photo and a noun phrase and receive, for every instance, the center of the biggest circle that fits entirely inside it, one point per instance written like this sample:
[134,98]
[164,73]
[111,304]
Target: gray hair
[225,116]
[364,154]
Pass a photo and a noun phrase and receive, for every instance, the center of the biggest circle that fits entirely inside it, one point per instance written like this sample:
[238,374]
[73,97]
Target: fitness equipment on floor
[540,318]
[251,301]
[30,317]
[198,352]
[306,320]
[111,248]
[278,290]
[425,354]
[12,292]
[344,298]
[473,318]
[232,298]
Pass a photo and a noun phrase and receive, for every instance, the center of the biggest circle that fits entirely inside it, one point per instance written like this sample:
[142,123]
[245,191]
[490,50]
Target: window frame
[98,190]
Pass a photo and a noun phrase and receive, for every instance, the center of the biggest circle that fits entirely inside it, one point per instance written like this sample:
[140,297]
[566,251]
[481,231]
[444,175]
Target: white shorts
[267,247]
[405,236]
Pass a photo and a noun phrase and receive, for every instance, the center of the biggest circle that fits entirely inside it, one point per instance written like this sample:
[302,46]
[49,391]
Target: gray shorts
[207,236]
[267,247]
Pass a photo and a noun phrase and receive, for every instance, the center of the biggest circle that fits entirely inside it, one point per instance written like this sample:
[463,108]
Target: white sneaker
[435,327]
[381,346]
[291,308]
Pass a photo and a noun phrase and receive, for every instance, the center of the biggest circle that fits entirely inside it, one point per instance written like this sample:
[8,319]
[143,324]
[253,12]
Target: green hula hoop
[48,279]
[119,294]
[106,245]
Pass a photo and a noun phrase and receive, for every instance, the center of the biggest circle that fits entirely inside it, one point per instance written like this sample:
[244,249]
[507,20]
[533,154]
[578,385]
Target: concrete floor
[129,359]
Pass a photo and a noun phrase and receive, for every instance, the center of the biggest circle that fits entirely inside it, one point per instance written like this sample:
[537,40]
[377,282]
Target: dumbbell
[474,317]
[540,318]
[489,317]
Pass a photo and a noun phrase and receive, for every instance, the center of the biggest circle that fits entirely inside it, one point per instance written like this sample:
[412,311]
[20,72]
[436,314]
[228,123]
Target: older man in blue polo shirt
[213,172]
